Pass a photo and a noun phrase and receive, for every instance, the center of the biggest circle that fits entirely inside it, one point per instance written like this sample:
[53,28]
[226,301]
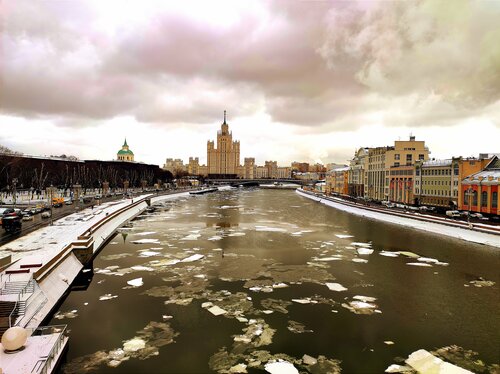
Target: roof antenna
[224,117]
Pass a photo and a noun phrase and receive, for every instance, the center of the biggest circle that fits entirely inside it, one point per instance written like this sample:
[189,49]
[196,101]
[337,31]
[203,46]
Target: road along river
[239,280]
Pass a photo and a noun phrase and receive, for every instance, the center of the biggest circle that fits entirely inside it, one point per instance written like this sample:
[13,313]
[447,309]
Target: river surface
[248,277]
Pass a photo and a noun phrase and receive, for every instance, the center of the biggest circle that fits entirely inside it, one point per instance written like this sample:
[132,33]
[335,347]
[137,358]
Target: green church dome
[125,152]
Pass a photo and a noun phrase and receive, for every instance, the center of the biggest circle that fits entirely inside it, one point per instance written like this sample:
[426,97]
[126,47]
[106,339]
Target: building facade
[337,181]
[480,190]
[249,168]
[125,154]
[437,183]
[357,173]
[375,181]
[223,161]
[174,165]
[401,184]
[404,153]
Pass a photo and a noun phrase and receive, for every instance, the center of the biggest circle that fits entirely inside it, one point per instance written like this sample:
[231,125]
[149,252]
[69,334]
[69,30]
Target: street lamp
[469,193]
[14,182]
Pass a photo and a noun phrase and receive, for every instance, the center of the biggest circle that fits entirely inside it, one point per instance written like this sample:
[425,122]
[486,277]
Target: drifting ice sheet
[281,367]
[137,282]
[336,287]
[146,241]
[193,258]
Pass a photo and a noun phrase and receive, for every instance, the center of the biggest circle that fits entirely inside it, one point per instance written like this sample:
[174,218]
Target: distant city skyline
[301,81]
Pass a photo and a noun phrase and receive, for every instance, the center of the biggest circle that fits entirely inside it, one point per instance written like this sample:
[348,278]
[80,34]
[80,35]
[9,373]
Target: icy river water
[238,280]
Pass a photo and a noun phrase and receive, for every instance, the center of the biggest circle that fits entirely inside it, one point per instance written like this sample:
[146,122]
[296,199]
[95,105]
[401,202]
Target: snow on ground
[437,228]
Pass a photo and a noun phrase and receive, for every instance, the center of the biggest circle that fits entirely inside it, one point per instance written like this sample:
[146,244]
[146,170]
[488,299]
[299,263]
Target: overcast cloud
[301,80]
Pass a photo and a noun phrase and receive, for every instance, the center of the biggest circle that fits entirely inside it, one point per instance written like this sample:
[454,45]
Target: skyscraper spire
[224,117]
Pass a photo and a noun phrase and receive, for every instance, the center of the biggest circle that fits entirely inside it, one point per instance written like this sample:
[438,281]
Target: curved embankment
[480,234]
[54,256]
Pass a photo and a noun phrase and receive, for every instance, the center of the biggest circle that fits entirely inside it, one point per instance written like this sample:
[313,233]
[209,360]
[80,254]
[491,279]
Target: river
[243,278]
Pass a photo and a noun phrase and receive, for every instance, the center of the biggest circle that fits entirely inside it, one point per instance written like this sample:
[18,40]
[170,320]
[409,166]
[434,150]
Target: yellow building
[375,182]
[357,173]
[125,154]
[404,153]
[223,161]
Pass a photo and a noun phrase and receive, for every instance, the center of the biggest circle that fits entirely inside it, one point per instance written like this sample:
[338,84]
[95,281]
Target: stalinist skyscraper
[223,161]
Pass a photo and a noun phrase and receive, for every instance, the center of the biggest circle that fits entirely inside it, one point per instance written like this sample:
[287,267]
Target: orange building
[401,184]
[469,166]
[480,190]
[338,181]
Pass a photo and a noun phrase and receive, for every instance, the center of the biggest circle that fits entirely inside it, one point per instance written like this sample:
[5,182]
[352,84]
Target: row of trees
[39,173]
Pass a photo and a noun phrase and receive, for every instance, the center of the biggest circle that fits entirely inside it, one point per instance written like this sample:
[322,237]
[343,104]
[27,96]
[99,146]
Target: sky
[301,80]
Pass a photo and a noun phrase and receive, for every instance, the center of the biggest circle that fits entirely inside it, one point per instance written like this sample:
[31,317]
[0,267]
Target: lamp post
[51,194]
[14,192]
[469,193]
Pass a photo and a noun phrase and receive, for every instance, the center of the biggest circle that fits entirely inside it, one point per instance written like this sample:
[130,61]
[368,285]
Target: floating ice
[304,301]
[191,237]
[141,268]
[240,368]
[389,253]
[359,244]
[427,259]
[215,238]
[409,254]
[107,296]
[192,258]
[399,369]
[137,282]
[237,234]
[388,342]
[481,282]
[336,287]
[360,260]
[145,233]
[280,367]
[280,285]
[342,236]
[217,311]
[270,229]
[365,298]
[308,360]
[70,314]
[423,264]
[326,259]
[423,361]
[148,254]
[146,241]
[364,251]
[134,345]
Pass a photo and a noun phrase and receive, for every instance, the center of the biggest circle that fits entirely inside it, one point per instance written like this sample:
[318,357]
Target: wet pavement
[252,280]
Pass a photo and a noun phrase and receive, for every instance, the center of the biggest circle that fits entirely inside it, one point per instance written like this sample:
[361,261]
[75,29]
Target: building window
[484,199]
[396,164]
[421,157]
[474,198]
[494,199]
[396,156]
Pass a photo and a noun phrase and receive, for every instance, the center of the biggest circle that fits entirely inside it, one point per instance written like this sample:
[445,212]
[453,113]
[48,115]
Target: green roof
[124,152]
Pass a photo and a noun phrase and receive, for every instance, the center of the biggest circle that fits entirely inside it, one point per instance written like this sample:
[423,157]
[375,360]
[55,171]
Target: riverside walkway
[478,233]
[38,269]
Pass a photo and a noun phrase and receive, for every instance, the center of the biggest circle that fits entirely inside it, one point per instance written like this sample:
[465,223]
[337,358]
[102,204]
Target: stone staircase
[10,309]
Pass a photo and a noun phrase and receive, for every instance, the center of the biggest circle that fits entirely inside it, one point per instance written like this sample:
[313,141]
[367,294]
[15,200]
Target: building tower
[223,161]
[125,154]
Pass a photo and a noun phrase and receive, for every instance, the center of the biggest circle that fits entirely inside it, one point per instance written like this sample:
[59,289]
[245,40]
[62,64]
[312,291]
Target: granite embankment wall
[479,233]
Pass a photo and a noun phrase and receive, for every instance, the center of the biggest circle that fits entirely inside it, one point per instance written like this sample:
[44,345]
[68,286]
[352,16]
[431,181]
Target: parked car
[10,219]
[46,214]
[68,202]
[453,213]
[28,217]
[97,197]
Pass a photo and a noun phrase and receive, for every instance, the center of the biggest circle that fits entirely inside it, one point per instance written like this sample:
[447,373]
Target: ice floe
[216,311]
[191,237]
[336,287]
[270,229]
[389,254]
[297,327]
[137,282]
[360,260]
[364,251]
[422,264]
[141,268]
[146,241]
[280,367]
[145,233]
[107,296]
[481,282]
[359,244]
[343,236]
[63,315]
[193,258]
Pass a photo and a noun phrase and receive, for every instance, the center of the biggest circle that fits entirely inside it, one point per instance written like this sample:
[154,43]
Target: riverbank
[420,222]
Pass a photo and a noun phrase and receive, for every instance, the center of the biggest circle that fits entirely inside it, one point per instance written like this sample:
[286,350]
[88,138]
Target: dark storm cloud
[319,64]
